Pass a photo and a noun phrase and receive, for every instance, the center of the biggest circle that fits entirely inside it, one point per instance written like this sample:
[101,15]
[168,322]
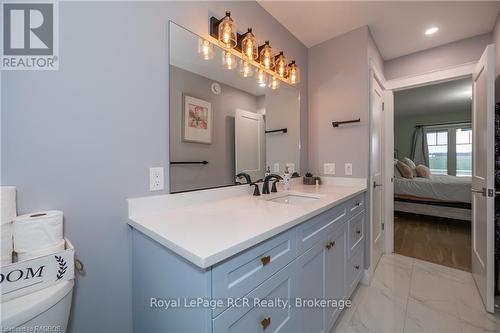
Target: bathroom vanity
[222,260]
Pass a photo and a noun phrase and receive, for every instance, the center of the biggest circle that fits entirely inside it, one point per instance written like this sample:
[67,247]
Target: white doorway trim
[447,74]
[443,75]
[375,74]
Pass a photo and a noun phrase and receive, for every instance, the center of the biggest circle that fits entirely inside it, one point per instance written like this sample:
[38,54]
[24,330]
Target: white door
[250,144]
[483,172]
[377,129]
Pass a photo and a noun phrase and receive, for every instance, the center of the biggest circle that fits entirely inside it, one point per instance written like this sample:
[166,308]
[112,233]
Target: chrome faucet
[265,187]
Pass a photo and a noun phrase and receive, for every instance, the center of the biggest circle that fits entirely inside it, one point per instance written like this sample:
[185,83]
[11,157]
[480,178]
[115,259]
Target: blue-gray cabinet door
[310,286]
[335,274]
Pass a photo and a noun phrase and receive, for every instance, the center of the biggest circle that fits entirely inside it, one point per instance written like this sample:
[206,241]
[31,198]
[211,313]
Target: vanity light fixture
[281,66]
[227,35]
[205,49]
[249,47]
[293,73]
[274,82]
[228,60]
[266,56]
[261,77]
[246,69]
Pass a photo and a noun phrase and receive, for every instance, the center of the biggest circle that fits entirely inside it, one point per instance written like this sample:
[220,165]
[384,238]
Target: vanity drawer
[311,232]
[239,275]
[356,204]
[354,270]
[356,231]
[251,318]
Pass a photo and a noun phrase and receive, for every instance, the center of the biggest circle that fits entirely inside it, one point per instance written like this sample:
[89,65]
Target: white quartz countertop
[207,233]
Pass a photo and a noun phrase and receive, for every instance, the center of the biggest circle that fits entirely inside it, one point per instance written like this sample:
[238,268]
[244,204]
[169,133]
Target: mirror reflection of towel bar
[283,130]
[202,162]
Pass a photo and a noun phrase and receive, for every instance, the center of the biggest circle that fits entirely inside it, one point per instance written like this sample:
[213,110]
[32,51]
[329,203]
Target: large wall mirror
[222,123]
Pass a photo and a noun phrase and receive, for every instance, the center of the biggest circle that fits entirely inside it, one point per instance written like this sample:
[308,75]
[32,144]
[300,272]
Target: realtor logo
[29,36]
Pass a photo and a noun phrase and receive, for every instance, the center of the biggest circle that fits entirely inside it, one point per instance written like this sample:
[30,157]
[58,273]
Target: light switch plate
[329,168]
[156,179]
[348,169]
[276,167]
[291,167]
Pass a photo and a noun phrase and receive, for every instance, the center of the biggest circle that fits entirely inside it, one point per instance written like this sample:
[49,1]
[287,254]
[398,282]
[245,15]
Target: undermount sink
[295,198]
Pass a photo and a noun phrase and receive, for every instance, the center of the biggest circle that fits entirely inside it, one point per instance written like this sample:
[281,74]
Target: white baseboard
[366,279]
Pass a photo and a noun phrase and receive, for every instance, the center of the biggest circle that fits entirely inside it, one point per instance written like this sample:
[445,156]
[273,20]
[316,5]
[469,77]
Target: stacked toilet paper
[38,234]
[7,215]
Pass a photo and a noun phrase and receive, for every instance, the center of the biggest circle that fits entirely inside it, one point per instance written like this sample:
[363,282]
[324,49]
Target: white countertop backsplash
[208,226]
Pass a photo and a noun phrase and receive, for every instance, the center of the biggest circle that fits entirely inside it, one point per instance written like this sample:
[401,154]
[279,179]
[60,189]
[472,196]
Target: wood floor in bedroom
[439,240]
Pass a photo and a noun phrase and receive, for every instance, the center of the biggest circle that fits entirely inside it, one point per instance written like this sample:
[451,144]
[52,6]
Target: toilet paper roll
[43,252]
[7,204]
[6,244]
[38,231]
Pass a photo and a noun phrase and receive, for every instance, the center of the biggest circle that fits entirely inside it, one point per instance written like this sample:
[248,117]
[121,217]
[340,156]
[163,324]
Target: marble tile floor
[411,295]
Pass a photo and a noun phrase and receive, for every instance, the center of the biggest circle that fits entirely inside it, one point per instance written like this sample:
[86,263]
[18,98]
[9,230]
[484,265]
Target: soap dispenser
[286,179]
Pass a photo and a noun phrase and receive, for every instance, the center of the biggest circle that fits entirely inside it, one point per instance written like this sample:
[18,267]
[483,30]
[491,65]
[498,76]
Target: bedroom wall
[440,57]
[404,126]
[81,139]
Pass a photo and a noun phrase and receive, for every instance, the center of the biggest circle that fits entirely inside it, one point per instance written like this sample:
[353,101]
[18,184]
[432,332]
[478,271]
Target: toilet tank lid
[17,311]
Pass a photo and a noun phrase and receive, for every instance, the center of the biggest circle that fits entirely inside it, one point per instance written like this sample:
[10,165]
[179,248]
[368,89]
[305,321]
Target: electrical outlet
[348,169]
[329,168]
[156,179]
[276,167]
[291,167]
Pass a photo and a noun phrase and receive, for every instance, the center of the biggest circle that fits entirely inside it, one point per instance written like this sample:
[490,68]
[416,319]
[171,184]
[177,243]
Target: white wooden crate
[23,277]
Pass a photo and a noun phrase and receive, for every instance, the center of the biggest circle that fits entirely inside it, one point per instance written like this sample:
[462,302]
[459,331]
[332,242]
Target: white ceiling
[452,96]
[397,27]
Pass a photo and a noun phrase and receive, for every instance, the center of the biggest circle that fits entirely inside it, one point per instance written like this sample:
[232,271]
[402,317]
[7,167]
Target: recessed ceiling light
[431,31]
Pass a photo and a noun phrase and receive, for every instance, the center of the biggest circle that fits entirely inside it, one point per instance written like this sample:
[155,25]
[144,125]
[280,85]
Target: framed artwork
[197,120]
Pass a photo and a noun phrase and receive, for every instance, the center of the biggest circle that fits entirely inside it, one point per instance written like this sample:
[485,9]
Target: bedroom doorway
[483,190]
[432,172]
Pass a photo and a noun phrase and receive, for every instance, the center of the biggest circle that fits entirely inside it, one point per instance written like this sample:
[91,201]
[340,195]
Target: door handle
[482,191]
[376,185]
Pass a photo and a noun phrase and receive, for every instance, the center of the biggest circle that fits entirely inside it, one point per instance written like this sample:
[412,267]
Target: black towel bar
[283,130]
[202,162]
[337,123]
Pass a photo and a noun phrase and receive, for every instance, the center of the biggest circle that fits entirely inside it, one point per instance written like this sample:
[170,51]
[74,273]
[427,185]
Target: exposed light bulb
[205,49]
[246,69]
[228,60]
[261,77]
[274,83]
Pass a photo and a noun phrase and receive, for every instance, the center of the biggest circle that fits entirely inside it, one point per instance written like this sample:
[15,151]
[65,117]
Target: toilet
[49,307]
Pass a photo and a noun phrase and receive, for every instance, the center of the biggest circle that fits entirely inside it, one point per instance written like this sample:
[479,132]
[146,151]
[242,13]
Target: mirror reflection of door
[250,144]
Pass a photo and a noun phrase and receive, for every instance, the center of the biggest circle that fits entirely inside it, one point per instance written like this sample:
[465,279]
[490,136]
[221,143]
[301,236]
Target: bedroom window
[450,150]
[464,151]
[437,143]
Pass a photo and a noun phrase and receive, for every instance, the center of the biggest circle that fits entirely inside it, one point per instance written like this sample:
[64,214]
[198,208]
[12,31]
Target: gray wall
[220,153]
[404,126]
[338,90]
[440,57]
[81,139]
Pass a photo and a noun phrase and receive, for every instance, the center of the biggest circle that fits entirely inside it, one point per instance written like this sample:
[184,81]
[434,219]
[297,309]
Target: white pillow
[409,163]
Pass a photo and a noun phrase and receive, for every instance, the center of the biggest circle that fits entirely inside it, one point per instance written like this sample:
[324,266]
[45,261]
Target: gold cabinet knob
[265,323]
[265,260]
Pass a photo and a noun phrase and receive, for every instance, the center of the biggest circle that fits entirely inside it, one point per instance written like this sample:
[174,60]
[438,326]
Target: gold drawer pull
[356,266]
[265,260]
[265,323]
[330,245]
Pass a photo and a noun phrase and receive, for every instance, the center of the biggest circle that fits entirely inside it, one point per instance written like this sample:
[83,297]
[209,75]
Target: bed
[439,195]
